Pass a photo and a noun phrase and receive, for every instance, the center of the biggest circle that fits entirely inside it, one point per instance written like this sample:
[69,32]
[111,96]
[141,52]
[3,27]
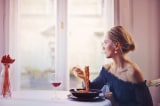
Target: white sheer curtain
[9,10]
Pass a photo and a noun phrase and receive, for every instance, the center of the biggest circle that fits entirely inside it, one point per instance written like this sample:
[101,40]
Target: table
[43,98]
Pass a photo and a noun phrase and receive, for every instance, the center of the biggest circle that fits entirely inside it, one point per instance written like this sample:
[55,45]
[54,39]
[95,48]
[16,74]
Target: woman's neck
[119,62]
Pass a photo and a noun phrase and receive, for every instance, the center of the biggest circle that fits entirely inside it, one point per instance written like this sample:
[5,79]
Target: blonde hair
[121,35]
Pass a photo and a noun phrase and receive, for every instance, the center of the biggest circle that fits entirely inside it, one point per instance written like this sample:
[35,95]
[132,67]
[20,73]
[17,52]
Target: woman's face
[108,47]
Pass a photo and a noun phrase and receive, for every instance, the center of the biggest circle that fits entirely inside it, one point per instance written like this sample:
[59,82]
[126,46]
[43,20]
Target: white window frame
[61,61]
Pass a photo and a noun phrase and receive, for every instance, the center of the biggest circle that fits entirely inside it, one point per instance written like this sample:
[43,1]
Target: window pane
[36,43]
[86,24]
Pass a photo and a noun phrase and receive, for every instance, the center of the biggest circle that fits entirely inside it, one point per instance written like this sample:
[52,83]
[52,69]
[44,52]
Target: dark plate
[95,99]
[91,94]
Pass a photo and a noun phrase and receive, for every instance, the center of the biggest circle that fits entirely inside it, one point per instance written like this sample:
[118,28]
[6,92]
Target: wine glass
[55,82]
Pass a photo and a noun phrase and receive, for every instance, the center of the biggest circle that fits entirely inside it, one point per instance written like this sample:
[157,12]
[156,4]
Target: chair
[155,82]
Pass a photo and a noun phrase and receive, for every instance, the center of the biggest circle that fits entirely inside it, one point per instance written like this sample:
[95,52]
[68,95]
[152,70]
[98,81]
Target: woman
[125,79]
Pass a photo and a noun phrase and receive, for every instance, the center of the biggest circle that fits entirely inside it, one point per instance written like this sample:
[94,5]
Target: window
[37,20]
[55,35]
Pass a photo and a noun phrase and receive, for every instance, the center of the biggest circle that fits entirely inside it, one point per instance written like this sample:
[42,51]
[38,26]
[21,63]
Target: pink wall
[146,26]
[141,17]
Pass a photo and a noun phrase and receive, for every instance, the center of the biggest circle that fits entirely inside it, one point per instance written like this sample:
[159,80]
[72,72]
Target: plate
[95,99]
[91,94]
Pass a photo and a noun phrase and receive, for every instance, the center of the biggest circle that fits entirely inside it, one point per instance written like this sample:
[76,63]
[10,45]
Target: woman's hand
[108,95]
[79,72]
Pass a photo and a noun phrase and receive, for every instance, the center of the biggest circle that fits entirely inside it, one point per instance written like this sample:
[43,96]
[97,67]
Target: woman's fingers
[78,72]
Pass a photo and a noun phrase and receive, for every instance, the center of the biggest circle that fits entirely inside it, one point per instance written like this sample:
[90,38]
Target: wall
[141,17]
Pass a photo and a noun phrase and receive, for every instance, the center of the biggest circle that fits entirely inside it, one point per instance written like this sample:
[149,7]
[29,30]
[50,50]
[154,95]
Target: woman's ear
[117,45]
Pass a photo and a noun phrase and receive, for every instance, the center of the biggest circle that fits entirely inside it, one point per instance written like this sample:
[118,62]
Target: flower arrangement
[6,60]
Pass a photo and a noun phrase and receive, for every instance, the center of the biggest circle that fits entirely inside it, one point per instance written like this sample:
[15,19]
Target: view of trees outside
[37,19]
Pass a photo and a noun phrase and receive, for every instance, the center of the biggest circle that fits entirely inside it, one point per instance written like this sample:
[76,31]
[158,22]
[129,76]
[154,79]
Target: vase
[5,82]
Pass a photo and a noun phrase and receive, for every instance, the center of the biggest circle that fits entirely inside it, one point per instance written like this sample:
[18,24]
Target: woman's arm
[99,81]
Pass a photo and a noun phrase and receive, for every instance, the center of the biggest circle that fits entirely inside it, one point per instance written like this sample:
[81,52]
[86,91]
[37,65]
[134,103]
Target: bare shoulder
[107,66]
[134,73]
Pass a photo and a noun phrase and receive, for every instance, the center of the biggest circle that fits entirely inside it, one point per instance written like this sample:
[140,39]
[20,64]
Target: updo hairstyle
[121,35]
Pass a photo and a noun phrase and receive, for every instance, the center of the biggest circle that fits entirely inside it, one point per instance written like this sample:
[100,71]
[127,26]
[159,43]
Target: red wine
[56,84]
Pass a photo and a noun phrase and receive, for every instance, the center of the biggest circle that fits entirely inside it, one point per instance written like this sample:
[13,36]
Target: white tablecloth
[44,98]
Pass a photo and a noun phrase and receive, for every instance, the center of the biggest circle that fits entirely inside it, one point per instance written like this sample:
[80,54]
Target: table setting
[72,97]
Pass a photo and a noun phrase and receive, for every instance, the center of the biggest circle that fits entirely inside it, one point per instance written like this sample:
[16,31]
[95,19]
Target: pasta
[86,80]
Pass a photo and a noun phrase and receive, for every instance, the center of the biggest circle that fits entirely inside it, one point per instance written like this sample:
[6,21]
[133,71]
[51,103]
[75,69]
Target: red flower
[7,59]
